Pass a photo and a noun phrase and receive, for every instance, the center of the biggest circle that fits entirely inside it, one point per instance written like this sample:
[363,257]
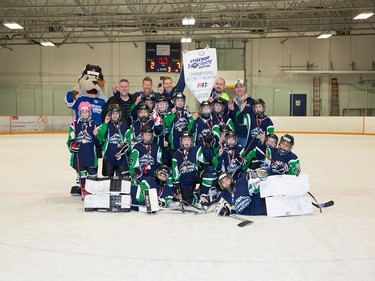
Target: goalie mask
[186,140]
[85,111]
[231,140]
[143,113]
[226,182]
[161,175]
[114,111]
[218,105]
[286,144]
[206,110]
[162,105]
[147,134]
[179,100]
[259,107]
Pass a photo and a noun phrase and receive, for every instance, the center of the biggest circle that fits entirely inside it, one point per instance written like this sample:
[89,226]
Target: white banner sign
[28,124]
[200,69]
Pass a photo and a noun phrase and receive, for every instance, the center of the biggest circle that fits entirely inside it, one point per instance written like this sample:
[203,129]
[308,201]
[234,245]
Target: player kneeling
[241,196]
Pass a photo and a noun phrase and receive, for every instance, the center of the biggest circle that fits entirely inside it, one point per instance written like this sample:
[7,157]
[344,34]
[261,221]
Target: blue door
[297,105]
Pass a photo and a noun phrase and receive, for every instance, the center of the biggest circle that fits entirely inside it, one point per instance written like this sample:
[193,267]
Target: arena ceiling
[103,21]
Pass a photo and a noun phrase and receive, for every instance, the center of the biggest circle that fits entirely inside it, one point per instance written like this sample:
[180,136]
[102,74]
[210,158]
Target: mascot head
[91,82]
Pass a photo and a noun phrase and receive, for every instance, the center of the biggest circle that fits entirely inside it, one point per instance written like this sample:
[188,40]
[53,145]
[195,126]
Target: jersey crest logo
[84,137]
[242,203]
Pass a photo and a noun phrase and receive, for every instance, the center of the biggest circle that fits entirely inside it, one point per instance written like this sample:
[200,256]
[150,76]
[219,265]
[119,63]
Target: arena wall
[308,125]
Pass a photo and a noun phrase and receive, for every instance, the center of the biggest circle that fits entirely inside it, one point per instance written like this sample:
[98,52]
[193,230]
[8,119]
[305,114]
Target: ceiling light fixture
[188,21]
[186,39]
[324,36]
[13,25]
[363,16]
[47,44]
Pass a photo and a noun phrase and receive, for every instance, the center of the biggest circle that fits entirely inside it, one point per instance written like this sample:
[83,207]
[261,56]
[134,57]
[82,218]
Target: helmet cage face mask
[231,140]
[226,182]
[147,137]
[183,143]
[286,144]
[206,110]
[162,106]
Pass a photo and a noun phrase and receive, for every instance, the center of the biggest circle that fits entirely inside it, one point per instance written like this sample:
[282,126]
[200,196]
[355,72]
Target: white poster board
[200,70]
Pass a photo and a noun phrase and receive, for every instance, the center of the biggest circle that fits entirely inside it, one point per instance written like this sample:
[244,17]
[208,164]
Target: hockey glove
[223,208]
[239,161]
[177,187]
[282,168]
[122,151]
[74,148]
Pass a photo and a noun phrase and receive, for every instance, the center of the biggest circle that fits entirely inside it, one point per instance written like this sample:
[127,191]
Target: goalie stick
[243,222]
[318,205]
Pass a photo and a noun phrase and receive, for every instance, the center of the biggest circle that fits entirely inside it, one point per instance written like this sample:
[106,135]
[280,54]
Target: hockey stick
[320,206]
[316,204]
[77,159]
[251,142]
[243,222]
[182,201]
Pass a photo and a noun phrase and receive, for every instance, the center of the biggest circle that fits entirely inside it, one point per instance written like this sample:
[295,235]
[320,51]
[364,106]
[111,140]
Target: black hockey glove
[282,168]
[177,187]
[239,161]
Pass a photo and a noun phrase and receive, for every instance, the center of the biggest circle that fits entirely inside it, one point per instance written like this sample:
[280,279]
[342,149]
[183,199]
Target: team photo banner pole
[200,69]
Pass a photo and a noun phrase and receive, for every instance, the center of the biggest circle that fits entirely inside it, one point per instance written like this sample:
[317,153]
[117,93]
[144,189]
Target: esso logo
[201,53]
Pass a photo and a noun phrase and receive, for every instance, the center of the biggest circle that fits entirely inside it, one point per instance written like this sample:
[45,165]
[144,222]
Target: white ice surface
[46,235]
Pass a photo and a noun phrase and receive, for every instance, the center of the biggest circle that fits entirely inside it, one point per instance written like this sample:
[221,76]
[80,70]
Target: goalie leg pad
[282,206]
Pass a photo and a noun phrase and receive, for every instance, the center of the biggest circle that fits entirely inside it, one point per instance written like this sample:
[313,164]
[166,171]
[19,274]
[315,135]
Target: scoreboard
[163,57]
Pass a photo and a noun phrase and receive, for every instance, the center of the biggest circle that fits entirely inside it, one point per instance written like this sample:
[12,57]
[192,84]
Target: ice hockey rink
[46,235]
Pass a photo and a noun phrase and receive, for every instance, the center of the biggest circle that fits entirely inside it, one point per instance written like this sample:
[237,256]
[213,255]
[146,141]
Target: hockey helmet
[179,96]
[162,104]
[143,112]
[84,106]
[272,140]
[225,181]
[149,101]
[161,175]
[186,135]
[114,108]
[205,109]
[218,105]
[259,111]
[286,143]
[231,140]
[207,139]
[147,134]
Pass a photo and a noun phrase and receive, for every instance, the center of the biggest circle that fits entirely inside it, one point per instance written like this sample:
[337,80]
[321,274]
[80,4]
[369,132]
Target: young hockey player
[254,123]
[81,143]
[203,131]
[177,121]
[185,165]
[144,160]
[229,158]
[162,107]
[281,160]
[143,118]
[162,181]
[241,196]
[253,160]
[112,134]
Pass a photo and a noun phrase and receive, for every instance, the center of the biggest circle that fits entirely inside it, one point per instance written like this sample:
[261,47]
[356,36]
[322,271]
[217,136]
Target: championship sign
[200,69]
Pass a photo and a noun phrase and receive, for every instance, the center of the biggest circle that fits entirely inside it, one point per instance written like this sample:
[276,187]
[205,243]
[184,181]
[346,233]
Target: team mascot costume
[90,88]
